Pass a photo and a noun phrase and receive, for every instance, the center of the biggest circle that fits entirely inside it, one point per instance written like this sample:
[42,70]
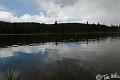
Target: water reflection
[60,60]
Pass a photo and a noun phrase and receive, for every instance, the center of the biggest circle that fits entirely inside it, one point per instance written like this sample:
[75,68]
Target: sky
[48,11]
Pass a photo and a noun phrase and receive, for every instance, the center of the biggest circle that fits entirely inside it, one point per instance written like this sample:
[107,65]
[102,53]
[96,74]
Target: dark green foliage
[37,28]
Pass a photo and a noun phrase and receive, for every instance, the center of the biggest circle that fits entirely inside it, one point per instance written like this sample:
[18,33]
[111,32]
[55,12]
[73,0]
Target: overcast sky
[47,11]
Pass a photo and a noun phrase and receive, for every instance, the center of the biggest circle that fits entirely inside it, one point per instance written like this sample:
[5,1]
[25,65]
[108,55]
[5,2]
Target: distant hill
[37,28]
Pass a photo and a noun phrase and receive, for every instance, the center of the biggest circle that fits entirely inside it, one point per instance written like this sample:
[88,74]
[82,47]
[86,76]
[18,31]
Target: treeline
[37,28]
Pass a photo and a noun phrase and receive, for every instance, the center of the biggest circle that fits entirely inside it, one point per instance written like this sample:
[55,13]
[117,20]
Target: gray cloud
[103,11]
[64,3]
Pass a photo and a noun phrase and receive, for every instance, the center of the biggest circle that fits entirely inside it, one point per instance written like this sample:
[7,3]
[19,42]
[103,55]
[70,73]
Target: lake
[58,56]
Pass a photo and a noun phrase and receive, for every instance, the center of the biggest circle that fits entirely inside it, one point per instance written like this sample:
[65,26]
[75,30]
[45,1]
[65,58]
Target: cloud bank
[102,11]
[9,17]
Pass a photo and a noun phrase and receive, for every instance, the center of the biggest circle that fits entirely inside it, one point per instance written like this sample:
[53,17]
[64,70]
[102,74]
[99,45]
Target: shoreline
[65,33]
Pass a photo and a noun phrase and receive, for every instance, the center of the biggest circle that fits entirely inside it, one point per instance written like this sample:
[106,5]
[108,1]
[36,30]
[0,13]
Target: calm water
[59,57]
